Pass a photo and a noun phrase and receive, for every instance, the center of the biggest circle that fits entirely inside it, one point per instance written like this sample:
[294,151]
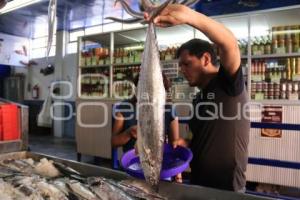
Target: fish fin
[129,10]
[189,3]
[126,21]
[159,9]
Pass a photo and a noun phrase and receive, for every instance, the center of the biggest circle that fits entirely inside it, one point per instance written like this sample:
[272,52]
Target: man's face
[192,68]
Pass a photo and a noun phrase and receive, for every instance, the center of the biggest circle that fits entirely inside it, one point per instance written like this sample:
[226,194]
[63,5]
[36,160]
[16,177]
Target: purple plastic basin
[175,161]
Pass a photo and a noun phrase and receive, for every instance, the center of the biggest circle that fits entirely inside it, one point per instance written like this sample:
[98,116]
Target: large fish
[151,99]
[51,24]
[151,94]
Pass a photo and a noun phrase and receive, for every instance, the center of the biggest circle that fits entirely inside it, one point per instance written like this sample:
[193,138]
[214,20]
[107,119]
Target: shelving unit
[94,66]
[276,55]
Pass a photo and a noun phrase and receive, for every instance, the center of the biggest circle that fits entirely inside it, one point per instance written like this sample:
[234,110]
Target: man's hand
[172,15]
[179,142]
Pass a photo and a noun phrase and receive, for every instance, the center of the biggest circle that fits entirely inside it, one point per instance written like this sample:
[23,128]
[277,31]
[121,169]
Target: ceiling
[76,14]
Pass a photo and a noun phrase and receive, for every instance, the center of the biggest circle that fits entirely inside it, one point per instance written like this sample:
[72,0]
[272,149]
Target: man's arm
[176,14]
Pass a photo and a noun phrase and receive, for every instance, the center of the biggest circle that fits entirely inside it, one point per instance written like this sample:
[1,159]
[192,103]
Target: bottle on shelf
[288,40]
[268,45]
[298,66]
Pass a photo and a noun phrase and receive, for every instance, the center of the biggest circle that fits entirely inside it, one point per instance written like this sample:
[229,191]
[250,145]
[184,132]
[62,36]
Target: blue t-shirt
[128,110]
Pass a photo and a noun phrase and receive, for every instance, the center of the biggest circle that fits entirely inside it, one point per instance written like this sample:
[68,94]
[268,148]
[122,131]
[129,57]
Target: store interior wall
[65,70]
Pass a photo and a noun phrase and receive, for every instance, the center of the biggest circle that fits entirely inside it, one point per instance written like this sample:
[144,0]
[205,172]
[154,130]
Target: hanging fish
[151,92]
[51,23]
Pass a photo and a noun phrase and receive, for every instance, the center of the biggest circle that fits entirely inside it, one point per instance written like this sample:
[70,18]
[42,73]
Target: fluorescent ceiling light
[17,4]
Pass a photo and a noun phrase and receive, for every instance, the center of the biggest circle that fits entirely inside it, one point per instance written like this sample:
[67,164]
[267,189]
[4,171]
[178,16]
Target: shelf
[126,64]
[93,66]
[169,61]
[276,55]
[277,102]
[139,63]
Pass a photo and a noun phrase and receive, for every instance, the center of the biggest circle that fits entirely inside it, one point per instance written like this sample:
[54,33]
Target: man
[220,130]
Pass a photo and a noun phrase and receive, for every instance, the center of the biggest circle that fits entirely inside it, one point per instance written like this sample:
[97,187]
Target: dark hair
[198,47]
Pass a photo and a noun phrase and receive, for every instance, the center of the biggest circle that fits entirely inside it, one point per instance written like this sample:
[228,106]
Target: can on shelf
[283,87]
[295,87]
[277,94]
[283,95]
[276,86]
[253,87]
[259,87]
[298,65]
[264,86]
[270,86]
[289,87]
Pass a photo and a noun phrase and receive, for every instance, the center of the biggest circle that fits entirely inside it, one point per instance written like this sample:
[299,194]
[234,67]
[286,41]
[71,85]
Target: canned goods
[283,95]
[253,87]
[277,94]
[290,87]
[270,93]
[283,86]
[264,86]
[288,94]
[295,87]
[270,86]
[298,66]
[259,87]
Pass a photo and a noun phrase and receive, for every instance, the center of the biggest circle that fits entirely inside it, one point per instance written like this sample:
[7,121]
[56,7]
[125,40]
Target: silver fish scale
[151,105]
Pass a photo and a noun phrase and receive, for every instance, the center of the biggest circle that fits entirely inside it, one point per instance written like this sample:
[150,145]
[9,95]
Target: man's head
[197,60]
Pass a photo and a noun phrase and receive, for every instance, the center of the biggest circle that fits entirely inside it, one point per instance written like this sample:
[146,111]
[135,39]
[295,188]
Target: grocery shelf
[169,61]
[94,66]
[277,102]
[126,64]
[139,63]
[276,55]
